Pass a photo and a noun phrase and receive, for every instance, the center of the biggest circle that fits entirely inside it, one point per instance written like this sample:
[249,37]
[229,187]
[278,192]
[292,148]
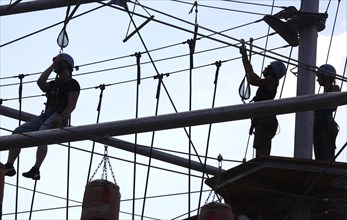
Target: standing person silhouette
[62,95]
[264,127]
[325,127]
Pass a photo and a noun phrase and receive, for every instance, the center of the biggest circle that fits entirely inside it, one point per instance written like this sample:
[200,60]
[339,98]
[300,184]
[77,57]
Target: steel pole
[127,146]
[38,5]
[308,33]
[306,82]
[98,132]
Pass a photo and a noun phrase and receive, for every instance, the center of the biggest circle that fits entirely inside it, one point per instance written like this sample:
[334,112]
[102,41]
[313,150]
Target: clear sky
[98,36]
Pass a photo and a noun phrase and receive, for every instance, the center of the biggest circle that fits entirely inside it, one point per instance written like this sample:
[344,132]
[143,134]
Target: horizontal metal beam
[127,146]
[176,120]
[38,5]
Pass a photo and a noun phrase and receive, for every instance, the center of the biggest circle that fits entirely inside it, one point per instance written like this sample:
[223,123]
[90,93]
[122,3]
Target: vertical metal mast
[306,81]
[308,33]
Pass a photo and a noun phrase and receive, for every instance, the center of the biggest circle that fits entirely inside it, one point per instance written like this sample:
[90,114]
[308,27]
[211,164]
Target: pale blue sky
[99,36]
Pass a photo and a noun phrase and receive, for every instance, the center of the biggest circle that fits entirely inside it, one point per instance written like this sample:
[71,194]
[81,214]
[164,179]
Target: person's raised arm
[42,80]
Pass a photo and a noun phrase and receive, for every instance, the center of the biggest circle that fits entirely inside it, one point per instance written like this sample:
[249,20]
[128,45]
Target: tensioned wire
[205,36]
[36,32]
[142,164]
[230,9]
[124,66]
[79,205]
[309,67]
[127,66]
[143,52]
[111,6]
[213,32]
[160,83]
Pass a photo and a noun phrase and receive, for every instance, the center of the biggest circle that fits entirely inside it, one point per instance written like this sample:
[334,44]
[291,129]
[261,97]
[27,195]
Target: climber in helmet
[325,127]
[62,95]
[264,127]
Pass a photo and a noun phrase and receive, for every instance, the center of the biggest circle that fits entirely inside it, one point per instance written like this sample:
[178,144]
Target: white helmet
[279,68]
[327,70]
[68,59]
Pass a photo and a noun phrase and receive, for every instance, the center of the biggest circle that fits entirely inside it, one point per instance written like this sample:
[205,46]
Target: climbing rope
[218,65]
[20,94]
[138,77]
[138,64]
[98,109]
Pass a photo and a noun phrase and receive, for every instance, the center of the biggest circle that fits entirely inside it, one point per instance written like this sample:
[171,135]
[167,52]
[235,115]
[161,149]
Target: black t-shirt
[58,93]
[264,94]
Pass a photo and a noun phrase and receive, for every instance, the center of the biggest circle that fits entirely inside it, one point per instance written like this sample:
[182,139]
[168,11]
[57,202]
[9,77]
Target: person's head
[326,73]
[276,69]
[66,62]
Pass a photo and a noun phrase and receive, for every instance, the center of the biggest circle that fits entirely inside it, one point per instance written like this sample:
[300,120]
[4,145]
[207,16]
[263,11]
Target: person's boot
[33,173]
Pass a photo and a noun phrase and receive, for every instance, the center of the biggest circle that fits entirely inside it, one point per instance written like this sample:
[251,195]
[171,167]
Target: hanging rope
[191,44]
[218,65]
[160,79]
[138,64]
[98,109]
[32,200]
[20,95]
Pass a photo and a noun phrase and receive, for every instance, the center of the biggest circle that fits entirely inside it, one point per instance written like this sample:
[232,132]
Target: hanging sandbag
[216,211]
[2,181]
[101,201]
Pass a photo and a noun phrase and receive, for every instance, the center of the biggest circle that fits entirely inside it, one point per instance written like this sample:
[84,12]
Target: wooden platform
[271,187]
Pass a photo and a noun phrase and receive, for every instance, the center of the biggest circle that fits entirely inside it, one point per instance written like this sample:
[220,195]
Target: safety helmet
[327,70]
[279,68]
[68,59]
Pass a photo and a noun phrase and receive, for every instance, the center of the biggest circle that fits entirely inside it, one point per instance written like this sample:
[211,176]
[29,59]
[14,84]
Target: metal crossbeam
[176,120]
[38,5]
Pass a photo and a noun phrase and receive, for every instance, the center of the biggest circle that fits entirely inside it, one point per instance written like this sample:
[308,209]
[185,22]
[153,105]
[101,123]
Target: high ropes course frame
[194,164]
